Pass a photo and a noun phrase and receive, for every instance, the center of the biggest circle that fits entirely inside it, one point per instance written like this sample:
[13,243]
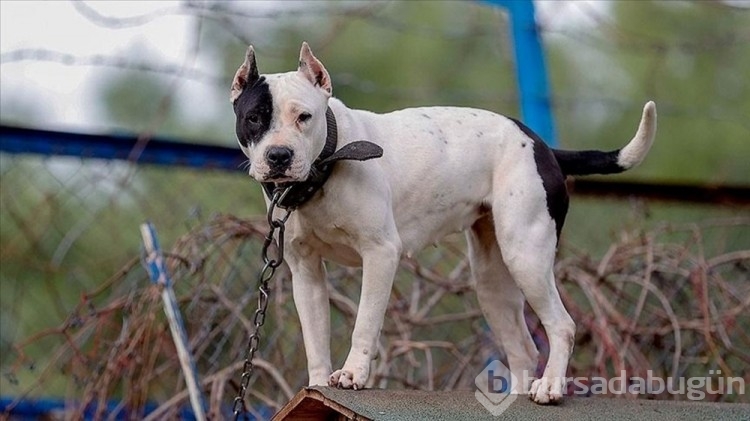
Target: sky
[64,96]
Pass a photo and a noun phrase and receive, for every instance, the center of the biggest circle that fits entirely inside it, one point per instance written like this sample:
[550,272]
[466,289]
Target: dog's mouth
[279,177]
[296,172]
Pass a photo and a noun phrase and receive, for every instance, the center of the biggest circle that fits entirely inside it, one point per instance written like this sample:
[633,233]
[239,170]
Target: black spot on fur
[588,162]
[253,110]
[553,179]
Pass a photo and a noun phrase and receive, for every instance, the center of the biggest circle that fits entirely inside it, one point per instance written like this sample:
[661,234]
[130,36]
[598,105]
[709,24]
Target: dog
[442,170]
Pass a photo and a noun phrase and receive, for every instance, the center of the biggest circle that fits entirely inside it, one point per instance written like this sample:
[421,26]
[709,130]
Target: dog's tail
[597,162]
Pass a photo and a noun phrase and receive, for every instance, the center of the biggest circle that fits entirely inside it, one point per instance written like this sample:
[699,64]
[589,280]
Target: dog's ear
[312,69]
[246,75]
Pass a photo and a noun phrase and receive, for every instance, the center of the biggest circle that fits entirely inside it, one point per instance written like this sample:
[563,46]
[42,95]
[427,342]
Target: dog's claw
[344,379]
[546,390]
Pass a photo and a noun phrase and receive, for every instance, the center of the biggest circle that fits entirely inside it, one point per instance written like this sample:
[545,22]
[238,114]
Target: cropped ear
[312,69]
[246,75]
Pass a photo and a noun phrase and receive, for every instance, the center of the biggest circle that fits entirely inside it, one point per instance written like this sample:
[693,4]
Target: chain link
[276,229]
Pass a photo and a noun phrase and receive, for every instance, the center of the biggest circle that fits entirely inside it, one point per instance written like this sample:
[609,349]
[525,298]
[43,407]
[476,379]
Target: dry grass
[656,301]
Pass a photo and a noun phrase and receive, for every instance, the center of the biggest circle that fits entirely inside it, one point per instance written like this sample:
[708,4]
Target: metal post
[531,71]
[160,276]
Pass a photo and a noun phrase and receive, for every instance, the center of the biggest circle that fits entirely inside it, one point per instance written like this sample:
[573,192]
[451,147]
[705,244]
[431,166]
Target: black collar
[302,191]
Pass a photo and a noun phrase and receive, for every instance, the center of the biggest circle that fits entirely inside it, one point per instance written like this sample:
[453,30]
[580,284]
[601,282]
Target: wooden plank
[311,405]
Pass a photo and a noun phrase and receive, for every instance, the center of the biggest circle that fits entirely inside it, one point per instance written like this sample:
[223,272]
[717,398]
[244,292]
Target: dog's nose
[279,157]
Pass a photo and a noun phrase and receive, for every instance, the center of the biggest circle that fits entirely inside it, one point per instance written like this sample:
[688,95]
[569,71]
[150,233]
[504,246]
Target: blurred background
[70,243]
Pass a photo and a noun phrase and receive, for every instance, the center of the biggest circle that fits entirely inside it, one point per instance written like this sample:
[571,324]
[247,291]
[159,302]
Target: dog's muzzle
[279,159]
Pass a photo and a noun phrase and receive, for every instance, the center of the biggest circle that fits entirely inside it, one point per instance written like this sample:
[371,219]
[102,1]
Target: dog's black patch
[552,177]
[588,162]
[253,108]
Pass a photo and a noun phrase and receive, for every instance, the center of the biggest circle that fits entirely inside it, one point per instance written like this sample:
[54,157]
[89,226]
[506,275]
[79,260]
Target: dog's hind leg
[502,303]
[527,237]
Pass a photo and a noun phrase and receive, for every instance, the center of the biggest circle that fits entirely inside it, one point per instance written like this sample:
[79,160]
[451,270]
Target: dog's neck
[300,192]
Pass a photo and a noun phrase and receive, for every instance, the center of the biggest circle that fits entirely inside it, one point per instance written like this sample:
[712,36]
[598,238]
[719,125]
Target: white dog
[442,170]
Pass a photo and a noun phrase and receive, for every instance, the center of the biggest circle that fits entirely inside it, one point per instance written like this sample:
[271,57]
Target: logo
[494,385]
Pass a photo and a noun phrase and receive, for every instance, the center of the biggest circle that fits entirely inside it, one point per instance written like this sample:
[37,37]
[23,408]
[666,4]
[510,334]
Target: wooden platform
[325,403]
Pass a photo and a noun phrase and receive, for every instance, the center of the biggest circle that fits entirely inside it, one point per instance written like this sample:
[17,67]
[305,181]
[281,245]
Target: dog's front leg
[310,293]
[378,269]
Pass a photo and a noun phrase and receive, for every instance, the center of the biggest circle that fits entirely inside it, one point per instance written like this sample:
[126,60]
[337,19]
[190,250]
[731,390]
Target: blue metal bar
[531,71]
[160,276]
[118,147]
[154,261]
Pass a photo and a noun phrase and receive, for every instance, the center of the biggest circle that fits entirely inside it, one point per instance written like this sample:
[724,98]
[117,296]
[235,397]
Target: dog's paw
[547,390]
[345,379]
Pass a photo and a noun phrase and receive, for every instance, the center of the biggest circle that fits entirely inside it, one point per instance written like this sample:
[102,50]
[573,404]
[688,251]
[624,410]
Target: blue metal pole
[531,71]
[160,276]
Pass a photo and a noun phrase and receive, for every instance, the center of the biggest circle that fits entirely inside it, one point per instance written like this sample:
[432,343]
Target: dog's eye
[253,118]
[304,117]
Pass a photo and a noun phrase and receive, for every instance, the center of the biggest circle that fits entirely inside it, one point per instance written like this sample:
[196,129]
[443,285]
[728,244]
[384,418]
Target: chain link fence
[81,321]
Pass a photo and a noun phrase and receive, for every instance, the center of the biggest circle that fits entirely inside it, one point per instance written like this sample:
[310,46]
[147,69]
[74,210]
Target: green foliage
[691,58]
[132,100]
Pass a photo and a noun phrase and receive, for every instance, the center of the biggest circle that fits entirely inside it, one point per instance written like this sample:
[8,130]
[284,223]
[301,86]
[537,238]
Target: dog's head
[281,123]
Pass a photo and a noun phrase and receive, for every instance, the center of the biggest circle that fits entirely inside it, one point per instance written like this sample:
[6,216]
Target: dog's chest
[324,237]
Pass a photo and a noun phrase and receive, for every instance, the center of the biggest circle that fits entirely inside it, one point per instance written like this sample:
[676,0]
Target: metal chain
[276,228]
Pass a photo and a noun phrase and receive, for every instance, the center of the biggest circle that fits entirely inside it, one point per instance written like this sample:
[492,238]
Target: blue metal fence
[17,140]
